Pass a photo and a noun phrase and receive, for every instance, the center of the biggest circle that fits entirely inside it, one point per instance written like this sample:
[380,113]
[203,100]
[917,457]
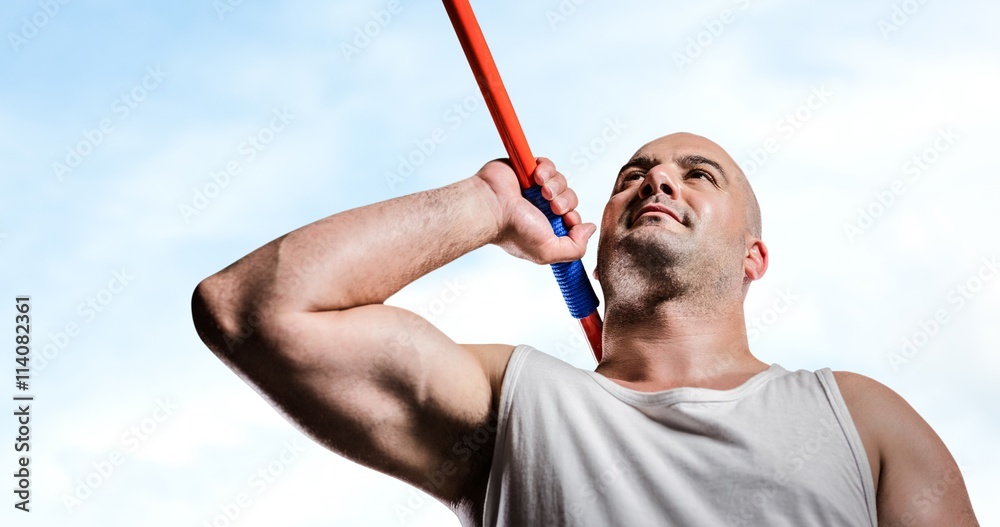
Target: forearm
[364,255]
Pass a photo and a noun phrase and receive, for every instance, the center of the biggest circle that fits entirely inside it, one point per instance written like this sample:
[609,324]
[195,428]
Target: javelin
[571,276]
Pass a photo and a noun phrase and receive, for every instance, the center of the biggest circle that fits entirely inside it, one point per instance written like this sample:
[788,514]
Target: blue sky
[184,90]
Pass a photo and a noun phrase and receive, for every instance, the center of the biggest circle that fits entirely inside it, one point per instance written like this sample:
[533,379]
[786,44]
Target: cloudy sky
[144,147]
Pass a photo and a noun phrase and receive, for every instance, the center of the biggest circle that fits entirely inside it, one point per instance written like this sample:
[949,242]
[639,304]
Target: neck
[677,343]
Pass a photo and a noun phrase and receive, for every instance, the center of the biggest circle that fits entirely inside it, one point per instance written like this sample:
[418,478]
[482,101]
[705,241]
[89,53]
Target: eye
[635,174]
[627,178]
[702,174]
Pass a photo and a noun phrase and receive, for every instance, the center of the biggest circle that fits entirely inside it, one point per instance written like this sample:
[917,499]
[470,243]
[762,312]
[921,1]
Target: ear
[755,261]
[597,278]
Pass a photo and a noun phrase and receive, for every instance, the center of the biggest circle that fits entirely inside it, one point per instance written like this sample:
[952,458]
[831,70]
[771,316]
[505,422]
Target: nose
[659,179]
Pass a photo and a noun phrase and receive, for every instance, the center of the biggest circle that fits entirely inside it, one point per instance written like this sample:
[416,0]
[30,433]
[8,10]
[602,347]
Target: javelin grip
[572,278]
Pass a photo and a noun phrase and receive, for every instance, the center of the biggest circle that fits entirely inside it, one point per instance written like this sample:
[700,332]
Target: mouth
[654,209]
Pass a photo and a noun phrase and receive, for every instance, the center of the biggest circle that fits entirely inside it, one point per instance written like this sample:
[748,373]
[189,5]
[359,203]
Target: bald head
[689,145]
[682,222]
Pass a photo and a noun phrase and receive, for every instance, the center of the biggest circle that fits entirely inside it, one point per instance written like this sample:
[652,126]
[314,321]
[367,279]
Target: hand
[523,230]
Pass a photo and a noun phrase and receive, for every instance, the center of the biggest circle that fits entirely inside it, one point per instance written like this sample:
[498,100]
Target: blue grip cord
[572,279]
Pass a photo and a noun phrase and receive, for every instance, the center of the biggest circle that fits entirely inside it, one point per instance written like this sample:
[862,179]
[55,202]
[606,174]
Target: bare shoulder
[866,400]
[916,478]
[493,358]
[872,404]
[857,386]
[880,414]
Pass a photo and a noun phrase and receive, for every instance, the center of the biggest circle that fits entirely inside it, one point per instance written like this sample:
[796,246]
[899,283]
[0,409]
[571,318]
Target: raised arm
[302,320]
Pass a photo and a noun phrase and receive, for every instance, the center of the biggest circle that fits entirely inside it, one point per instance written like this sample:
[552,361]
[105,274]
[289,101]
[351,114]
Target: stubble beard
[642,271]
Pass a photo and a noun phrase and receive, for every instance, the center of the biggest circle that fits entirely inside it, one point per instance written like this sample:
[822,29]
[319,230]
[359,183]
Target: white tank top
[575,448]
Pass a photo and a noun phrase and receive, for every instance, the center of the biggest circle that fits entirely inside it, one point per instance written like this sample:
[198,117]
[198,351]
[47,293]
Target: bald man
[678,425]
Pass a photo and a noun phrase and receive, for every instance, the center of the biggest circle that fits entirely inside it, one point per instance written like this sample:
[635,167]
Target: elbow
[218,318]
[235,321]
[206,313]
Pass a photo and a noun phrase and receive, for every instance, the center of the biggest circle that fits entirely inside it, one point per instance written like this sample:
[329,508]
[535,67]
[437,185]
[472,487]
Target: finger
[573,246]
[564,201]
[500,160]
[543,171]
[571,219]
[580,235]
[555,184]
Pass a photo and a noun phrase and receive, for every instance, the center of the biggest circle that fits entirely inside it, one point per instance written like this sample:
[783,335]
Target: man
[679,425]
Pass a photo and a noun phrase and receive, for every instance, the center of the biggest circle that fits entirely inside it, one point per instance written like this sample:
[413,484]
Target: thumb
[574,245]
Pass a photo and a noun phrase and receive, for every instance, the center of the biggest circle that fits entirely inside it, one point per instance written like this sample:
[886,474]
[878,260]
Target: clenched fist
[523,229]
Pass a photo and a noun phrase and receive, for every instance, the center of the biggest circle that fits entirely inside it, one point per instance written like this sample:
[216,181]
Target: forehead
[678,145]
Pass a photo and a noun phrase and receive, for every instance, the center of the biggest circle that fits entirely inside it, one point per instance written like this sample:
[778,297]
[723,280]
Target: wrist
[488,208]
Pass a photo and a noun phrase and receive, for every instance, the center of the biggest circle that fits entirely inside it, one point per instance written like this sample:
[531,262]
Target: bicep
[381,386]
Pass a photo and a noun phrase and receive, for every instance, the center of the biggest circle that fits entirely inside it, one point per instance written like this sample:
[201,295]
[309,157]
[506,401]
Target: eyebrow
[642,161]
[646,162]
[695,160]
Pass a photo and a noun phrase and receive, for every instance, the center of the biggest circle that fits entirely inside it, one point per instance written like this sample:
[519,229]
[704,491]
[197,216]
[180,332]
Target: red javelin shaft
[485,70]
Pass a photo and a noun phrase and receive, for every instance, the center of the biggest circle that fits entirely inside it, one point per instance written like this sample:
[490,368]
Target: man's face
[676,221]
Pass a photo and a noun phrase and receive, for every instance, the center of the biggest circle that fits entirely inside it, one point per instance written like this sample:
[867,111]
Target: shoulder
[856,381]
[880,410]
[873,403]
[868,401]
[494,359]
[879,413]
[907,457]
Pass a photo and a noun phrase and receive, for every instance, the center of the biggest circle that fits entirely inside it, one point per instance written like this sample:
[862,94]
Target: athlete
[680,424]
